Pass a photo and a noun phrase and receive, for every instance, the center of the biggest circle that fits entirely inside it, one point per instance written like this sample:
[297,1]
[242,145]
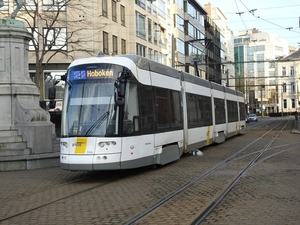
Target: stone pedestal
[19,96]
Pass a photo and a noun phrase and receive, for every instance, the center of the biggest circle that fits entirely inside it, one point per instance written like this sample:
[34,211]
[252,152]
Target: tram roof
[151,65]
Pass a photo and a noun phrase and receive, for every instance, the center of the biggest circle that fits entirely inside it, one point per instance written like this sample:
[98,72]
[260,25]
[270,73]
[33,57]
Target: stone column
[19,96]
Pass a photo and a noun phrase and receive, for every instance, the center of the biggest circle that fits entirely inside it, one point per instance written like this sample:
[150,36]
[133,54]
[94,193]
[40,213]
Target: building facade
[177,33]
[289,83]
[256,57]
[226,47]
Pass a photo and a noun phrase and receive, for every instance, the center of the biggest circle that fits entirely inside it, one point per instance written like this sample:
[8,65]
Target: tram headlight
[101,144]
[107,143]
[101,158]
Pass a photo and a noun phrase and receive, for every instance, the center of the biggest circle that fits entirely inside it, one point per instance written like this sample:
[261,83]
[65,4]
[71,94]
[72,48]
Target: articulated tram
[129,111]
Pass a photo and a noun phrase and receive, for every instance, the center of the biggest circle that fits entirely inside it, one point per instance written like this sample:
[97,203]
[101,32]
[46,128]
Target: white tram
[128,112]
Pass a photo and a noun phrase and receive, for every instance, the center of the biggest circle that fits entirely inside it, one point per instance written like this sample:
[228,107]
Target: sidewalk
[29,162]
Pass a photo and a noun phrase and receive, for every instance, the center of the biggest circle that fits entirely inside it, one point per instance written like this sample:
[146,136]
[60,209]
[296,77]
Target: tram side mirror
[120,101]
[64,77]
[121,89]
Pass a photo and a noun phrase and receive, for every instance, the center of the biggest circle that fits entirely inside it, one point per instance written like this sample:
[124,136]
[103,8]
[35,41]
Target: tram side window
[242,111]
[146,109]
[220,110]
[198,110]
[175,107]
[167,109]
[232,111]
[192,110]
[131,110]
[206,110]
[162,108]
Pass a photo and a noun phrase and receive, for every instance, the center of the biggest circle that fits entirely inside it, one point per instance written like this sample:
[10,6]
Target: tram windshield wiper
[97,123]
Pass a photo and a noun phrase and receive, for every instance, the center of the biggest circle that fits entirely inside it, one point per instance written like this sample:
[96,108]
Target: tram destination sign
[87,74]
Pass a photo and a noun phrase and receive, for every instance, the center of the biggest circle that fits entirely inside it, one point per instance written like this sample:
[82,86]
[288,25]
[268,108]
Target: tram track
[68,193]
[145,216]
[193,198]
[227,189]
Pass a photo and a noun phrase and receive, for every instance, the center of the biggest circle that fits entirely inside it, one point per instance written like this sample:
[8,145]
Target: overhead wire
[252,13]
[240,13]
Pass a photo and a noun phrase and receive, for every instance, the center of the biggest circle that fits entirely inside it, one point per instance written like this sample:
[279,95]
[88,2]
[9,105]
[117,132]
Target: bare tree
[60,29]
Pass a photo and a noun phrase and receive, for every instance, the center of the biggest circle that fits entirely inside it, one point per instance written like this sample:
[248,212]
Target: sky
[280,17]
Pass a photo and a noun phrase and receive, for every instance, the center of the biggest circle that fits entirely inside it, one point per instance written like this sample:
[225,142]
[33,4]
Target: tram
[129,111]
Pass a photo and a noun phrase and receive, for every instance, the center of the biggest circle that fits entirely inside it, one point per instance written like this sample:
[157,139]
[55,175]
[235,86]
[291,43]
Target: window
[192,110]
[161,8]
[167,109]
[162,108]
[191,10]
[284,103]
[179,23]
[149,30]
[271,65]
[260,65]
[141,50]
[175,109]
[293,103]
[150,53]
[140,3]
[283,71]
[292,87]
[180,46]
[146,109]
[55,38]
[114,11]
[104,8]
[220,110]
[122,15]
[284,87]
[149,6]
[115,44]
[191,29]
[105,43]
[155,55]
[232,111]
[154,10]
[140,26]
[292,71]
[242,111]
[180,3]
[131,124]
[206,111]
[5,5]
[123,46]
[34,42]
[51,5]
[30,5]
[199,110]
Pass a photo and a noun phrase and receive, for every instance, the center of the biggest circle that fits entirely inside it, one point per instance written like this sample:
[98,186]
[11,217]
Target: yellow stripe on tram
[207,135]
[80,145]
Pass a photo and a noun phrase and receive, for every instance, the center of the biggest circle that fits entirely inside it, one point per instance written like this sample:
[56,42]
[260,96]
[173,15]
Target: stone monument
[26,133]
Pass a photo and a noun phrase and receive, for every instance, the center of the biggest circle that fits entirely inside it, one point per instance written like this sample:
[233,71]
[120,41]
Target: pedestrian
[296,115]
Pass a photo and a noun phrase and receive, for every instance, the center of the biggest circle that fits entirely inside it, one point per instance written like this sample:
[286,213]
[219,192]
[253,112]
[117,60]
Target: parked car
[252,117]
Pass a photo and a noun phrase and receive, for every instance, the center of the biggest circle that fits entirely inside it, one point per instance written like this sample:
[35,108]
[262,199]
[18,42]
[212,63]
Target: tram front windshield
[89,102]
